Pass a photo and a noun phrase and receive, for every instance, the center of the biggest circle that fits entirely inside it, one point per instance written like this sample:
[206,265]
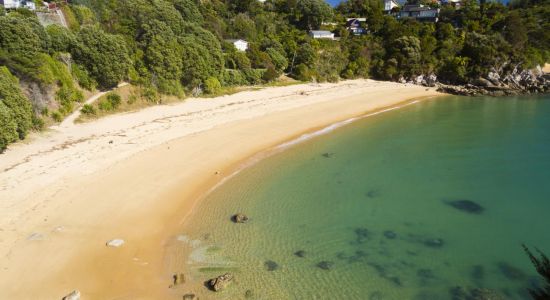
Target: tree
[104,56]
[309,14]
[18,105]
[8,127]
[163,57]
[189,10]
[61,39]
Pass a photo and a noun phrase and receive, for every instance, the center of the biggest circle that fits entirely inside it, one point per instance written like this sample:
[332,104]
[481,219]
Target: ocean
[430,201]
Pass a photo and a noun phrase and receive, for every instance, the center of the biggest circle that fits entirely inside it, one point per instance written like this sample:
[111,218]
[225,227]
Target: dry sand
[135,176]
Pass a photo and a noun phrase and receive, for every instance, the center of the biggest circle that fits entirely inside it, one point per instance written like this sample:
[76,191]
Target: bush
[114,99]
[105,105]
[57,116]
[270,74]
[212,86]
[8,127]
[88,109]
[234,77]
[254,76]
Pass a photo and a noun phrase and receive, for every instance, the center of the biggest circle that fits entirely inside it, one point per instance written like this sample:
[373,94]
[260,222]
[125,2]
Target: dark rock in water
[325,265]
[379,268]
[328,155]
[375,296]
[189,296]
[390,234]
[373,193]
[362,235]
[434,243]
[300,253]
[425,274]
[466,206]
[511,272]
[428,295]
[220,282]
[271,265]
[239,218]
[478,273]
[248,294]
[395,280]
[460,293]
[485,294]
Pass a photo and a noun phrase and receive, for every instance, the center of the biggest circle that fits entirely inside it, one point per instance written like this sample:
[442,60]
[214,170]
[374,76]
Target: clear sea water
[368,207]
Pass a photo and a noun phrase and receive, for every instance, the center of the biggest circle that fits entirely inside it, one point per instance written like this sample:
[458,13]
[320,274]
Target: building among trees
[241,45]
[14,4]
[321,34]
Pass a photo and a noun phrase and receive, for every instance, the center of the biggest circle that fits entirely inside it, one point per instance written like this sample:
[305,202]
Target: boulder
[115,243]
[239,218]
[467,206]
[74,295]
[221,282]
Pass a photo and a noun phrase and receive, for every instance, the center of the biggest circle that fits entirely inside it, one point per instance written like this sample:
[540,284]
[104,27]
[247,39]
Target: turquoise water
[369,207]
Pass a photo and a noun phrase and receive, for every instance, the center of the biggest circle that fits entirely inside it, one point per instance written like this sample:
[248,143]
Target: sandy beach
[135,176]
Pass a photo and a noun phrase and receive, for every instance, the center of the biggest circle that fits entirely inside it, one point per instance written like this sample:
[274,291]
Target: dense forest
[179,47]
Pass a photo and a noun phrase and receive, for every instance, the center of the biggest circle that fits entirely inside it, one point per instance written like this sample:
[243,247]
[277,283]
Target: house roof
[415,7]
[321,32]
[235,40]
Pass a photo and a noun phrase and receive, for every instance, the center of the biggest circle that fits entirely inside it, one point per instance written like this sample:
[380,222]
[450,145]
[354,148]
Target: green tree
[18,105]
[104,56]
[8,127]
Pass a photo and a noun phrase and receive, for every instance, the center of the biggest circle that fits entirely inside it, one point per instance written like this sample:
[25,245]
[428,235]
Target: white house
[10,4]
[241,45]
[13,4]
[389,5]
[321,34]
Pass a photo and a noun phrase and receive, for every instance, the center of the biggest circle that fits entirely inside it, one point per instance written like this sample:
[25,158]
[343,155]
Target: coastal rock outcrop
[221,282]
[497,82]
[240,218]
[74,295]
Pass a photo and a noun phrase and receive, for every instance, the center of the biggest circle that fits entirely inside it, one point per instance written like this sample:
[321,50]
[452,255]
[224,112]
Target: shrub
[212,85]
[57,116]
[114,99]
[88,109]
[105,105]
[8,127]
[270,74]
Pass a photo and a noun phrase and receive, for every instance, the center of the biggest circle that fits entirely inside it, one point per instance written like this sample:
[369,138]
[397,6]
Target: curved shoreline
[138,196]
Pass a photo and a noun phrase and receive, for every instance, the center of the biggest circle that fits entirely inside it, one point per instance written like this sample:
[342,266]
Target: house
[353,25]
[389,5]
[321,34]
[14,4]
[241,45]
[419,12]
[453,3]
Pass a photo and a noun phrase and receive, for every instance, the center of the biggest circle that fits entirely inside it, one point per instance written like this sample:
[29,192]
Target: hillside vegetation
[178,47]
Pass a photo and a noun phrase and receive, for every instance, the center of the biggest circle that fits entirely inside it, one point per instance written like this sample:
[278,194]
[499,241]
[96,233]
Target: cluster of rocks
[496,83]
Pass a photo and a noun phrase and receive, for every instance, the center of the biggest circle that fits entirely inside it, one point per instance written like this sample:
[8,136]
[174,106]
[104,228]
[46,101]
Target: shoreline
[139,197]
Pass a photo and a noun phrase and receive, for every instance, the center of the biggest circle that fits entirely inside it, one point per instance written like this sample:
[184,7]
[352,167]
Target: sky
[333,2]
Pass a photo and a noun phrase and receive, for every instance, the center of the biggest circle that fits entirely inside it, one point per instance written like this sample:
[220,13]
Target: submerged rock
[220,282]
[375,296]
[478,273]
[74,295]
[362,235]
[178,279]
[189,296]
[390,234]
[434,243]
[300,253]
[239,218]
[511,272]
[425,274]
[460,293]
[373,193]
[325,265]
[466,206]
[248,294]
[328,155]
[271,265]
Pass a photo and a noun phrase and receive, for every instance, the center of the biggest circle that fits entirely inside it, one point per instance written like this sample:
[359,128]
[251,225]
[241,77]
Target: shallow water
[368,206]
